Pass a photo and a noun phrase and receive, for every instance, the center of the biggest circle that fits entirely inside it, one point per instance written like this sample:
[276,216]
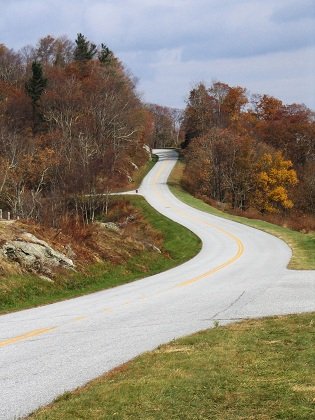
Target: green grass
[20,292]
[179,242]
[302,244]
[260,369]
[139,175]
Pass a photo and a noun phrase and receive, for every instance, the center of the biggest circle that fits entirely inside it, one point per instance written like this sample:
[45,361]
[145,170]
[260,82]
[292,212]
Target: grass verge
[302,244]
[139,175]
[180,245]
[260,369]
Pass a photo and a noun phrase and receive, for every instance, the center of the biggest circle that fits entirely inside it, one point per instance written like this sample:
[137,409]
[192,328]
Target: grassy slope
[261,369]
[20,292]
[139,175]
[302,245]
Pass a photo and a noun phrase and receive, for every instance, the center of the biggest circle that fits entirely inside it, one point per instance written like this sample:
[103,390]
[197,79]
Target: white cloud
[288,76]
[267,46]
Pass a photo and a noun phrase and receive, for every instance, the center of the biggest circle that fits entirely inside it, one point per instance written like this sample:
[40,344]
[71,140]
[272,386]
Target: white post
[0,213]
[9,215]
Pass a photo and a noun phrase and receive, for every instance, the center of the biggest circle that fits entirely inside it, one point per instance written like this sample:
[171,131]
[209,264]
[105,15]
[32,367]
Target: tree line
[72,127]
[249,151]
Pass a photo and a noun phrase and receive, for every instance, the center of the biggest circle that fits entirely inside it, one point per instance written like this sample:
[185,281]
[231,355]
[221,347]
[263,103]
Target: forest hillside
[250,154]
[71,126]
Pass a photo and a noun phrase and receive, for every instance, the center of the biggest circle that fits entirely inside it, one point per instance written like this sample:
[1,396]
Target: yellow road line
[158,174]
[240,250]
[239,243]
[26,336]
[108,310]
[80,318]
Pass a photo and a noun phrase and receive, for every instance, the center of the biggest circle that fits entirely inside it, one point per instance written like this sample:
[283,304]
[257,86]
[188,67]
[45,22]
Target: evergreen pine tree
[34,87]
[84,50]
[105,56]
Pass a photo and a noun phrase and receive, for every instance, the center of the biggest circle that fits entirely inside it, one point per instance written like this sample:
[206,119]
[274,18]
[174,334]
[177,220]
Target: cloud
[273,74]
[210,29]
[294,11]
[172,43]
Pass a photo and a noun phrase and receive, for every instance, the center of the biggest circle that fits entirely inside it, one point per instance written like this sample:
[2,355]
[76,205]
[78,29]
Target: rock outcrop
[110,226]
[148,150]
[35,255]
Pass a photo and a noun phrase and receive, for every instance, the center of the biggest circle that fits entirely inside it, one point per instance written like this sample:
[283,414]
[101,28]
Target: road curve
[239,273]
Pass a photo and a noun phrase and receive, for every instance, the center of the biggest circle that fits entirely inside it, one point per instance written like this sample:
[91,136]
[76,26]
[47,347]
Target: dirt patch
[174,349]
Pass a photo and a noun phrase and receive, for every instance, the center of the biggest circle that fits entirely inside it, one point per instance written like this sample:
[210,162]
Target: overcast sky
[267,46]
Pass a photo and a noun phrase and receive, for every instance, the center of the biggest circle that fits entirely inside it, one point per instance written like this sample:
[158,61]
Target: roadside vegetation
[259,369]
[250,152]
[145,244]
[72,125]
[302,244]
[138,175]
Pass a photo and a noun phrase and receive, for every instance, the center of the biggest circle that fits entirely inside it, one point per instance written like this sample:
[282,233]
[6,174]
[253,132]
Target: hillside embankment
[40,265]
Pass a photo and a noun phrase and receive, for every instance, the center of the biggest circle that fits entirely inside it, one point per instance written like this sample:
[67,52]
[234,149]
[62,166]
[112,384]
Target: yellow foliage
[275,175]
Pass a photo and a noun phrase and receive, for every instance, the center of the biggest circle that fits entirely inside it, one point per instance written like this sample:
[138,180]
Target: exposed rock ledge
[35,255]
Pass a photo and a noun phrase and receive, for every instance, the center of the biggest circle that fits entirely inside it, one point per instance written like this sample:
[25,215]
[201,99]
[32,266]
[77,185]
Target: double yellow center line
[238,254]
[239,244]
[26,336]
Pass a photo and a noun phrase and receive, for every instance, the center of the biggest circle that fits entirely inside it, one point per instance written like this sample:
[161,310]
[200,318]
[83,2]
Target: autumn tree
[28,55]
[99,124]
[94,133]
[267,107]
[223,168]
[232,106]
[165,126]
[236,170]
[219,106]
[273,179]
[45,50]
[11,69]
[218,91]
[253,132]
[63,51]
[289,128]
[54,51]
[199,113]
[306,188]
[198,174]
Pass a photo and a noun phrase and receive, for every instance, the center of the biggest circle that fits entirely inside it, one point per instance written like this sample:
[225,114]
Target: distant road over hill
[239,273]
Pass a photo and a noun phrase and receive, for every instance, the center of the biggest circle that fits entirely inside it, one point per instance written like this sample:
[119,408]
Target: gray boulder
[35,255]
[110,226]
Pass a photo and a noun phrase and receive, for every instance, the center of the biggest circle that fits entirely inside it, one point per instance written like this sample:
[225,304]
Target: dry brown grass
[294,220]
[89,244]
[132,223]
[128,255]
[8,231]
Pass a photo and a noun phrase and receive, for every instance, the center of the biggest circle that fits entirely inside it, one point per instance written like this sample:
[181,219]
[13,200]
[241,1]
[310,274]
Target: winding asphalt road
[239,273]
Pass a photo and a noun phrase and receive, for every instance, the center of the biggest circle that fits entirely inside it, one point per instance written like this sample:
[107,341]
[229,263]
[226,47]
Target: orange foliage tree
[90,135]
[249,152]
